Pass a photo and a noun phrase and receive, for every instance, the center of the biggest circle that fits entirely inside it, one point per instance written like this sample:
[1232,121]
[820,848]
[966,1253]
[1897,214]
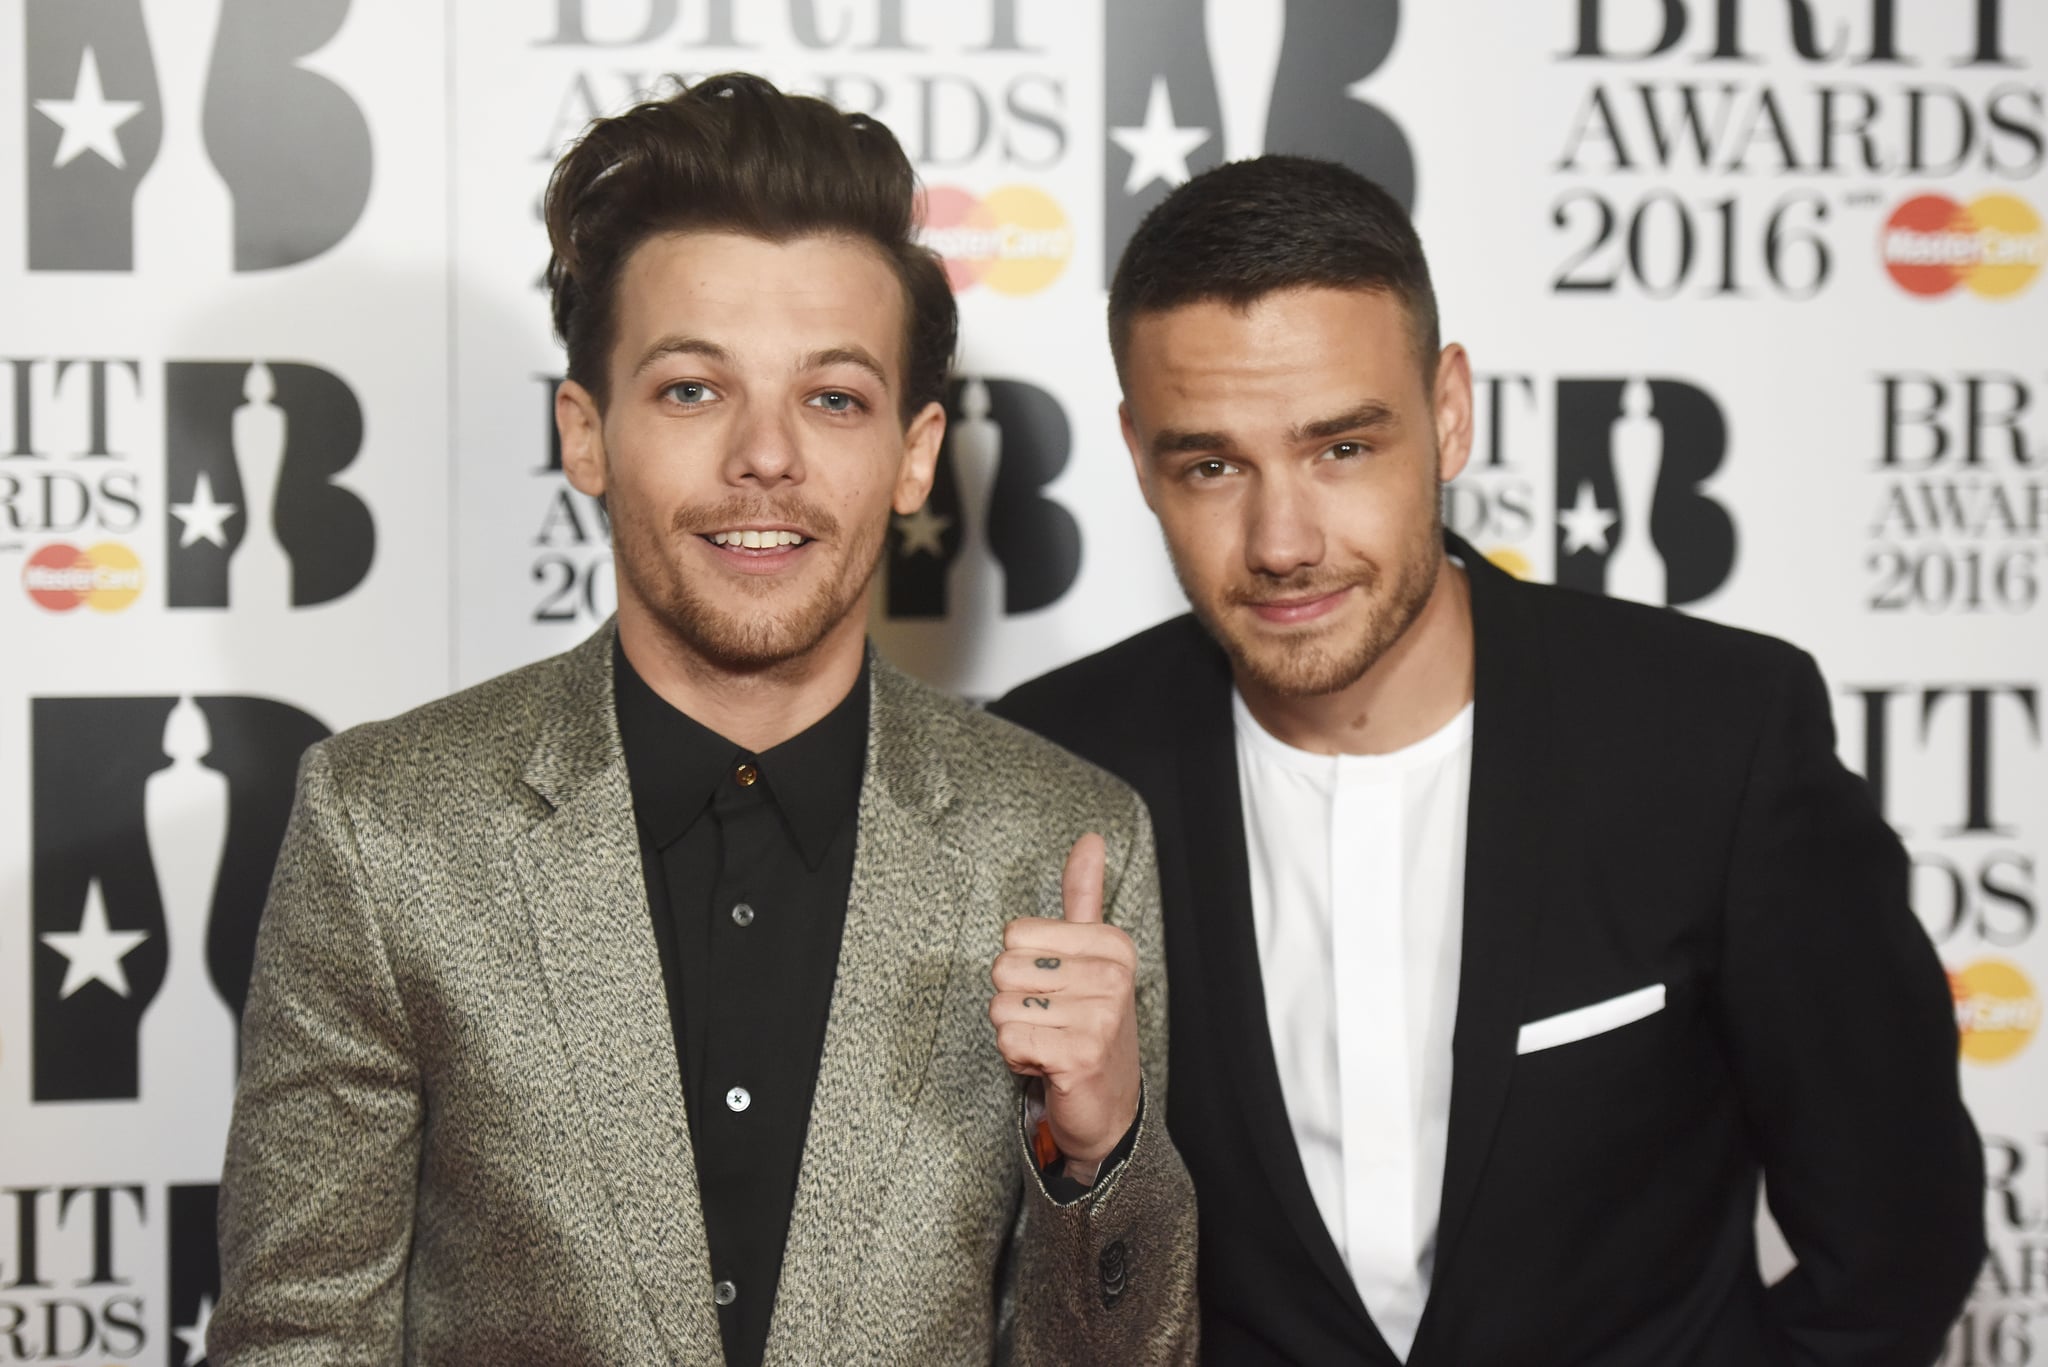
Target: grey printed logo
[1189,86]
[158,822]
[989,542]
[93,128]
[114,84]
[291,144]
[254,517]
[1633,518]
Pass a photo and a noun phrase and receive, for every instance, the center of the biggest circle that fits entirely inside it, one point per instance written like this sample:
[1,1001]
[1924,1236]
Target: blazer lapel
[895,961]
[578,870]
[1220,884]
[1508,845]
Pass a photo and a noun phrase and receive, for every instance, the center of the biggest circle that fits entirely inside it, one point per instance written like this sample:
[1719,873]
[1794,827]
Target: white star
[921,532]
[204,519]
[194,1334]
[1159,150]
[1585,523]
[93,953]
[91,122]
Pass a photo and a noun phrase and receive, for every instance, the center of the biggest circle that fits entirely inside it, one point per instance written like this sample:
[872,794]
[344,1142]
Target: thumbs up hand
[1065,1010]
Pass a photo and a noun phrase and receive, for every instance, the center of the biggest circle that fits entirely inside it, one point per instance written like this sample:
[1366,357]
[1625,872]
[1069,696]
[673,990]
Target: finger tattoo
[1048,963]
[1042,1003]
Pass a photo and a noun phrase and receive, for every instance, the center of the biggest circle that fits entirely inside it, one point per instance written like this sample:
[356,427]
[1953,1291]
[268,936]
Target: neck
[757,708]
[1411,692]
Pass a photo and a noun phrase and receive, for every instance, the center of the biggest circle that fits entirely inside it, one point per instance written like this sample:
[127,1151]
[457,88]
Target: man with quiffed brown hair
[635,1006]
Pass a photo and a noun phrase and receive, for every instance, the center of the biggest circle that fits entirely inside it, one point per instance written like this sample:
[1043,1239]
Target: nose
[763,453]
[1283,532]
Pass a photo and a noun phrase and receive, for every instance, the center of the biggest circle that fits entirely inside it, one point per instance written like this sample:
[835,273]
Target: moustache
[814,522]
[1301,584]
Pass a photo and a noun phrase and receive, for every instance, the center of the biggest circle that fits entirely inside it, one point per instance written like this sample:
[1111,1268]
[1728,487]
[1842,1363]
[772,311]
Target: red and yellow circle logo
[1015,240]
[1997,1010]
[105,578]
[1993,245]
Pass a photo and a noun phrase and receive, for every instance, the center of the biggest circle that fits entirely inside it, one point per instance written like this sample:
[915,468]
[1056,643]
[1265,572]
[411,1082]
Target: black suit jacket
[1654,800]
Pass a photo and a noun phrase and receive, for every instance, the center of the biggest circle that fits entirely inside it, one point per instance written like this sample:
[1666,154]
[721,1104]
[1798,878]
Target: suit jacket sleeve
[1843,1041]
[1110,1278]
[316,1199]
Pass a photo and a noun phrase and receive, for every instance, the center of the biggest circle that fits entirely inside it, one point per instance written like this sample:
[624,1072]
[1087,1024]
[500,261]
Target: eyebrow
[846,355]
[676,344]
[1369,416]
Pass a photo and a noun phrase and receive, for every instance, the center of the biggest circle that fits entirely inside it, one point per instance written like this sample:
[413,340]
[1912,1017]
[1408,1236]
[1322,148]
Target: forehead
[752,295]
[1297,346]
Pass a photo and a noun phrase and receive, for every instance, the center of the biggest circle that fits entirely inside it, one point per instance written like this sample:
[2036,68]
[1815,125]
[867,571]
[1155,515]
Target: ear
[921,442]
[1452,403]
[581,429]
[1137,450]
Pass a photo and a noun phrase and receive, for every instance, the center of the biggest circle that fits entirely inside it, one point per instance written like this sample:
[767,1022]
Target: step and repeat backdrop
[1751,286]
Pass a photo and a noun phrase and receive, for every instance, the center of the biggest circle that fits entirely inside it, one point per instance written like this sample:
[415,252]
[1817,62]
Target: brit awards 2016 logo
[69,1259]
[1791,159]
[149,119]
[1960,524]
[157,824]
[254,513]
[989,542]
[1631,462]
[253,516]
[2002,1324]
[1191,84]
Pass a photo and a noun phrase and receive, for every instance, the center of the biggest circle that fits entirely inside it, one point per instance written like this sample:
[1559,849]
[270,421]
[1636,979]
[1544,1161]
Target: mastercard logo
[105,578]
[1993,246]
[1015,240]
[1997,1010]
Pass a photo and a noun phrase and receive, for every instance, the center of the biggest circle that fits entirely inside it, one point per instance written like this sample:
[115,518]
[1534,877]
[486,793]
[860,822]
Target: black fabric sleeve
[1842,1034]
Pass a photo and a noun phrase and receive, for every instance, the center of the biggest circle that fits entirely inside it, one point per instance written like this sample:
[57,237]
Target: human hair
[1245,229]
[734,154]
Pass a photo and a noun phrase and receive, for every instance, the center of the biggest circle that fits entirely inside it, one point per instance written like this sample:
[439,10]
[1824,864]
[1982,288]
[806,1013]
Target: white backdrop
[1750,287]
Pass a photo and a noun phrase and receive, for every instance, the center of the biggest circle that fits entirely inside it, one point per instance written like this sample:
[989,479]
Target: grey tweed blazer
[460,1135]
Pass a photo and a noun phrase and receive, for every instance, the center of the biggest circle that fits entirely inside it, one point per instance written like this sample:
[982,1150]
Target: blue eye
[837,401]
[689,392]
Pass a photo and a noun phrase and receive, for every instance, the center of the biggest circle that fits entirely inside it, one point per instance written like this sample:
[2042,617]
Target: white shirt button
[724,1293]
[742,915]
[738,1099]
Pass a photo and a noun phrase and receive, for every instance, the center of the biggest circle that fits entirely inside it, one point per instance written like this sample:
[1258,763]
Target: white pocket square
[1585,1021]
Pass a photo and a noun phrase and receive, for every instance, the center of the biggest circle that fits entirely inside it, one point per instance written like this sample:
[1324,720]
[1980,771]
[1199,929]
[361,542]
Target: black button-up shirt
[749,861]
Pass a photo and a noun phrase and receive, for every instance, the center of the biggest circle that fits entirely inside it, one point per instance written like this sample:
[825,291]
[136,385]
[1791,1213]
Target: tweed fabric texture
[460,1134]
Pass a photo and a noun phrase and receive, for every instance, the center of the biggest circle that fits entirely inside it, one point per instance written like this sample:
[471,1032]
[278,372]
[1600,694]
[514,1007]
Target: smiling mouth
[1287,611]
[757,539]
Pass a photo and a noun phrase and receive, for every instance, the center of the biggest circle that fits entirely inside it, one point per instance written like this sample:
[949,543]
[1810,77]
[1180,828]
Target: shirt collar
[675,763]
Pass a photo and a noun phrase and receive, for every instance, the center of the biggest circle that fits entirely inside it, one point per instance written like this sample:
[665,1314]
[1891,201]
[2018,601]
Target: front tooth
[751,540]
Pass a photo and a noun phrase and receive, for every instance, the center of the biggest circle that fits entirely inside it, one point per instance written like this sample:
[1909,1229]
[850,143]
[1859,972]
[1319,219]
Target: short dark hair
[732,153]
[1242,230]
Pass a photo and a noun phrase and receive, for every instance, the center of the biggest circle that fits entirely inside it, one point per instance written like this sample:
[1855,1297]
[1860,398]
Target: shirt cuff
[1052,1172]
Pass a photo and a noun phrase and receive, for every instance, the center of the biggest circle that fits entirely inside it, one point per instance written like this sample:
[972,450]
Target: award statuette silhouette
[1635,567]
[188,1033]
[260,575]
[184,214]
[974,598]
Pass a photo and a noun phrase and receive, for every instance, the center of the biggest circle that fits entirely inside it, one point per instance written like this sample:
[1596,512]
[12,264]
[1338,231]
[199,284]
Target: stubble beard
[746,640]
[1330,660]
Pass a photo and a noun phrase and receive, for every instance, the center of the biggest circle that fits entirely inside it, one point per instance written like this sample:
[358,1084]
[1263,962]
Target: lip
[760,560]
[1292,611]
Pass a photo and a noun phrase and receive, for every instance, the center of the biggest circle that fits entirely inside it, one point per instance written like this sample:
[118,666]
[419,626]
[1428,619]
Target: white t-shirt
[1358,893]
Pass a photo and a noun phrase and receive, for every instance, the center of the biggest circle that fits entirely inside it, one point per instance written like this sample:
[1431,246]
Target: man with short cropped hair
[1513,932]
[635,1006]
